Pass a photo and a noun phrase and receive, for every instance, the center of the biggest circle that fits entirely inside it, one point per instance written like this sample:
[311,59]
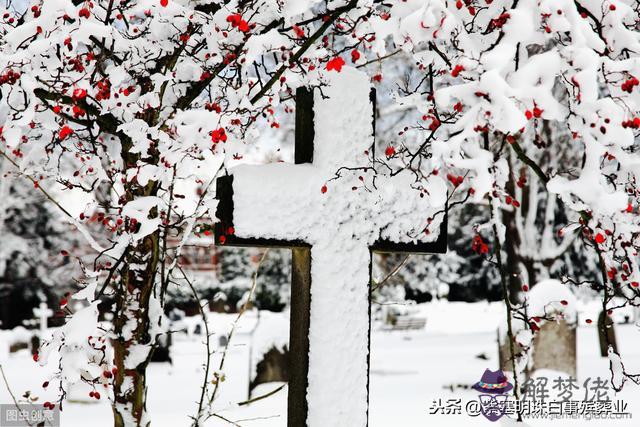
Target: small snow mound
[551,297]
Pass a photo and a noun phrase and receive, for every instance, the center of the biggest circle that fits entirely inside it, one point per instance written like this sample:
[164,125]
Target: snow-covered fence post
[332,208]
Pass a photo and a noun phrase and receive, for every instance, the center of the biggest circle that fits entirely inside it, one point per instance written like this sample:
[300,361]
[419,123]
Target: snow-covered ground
[408,371]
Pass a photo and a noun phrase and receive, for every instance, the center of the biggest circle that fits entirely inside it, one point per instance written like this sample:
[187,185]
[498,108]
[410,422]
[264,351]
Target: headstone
[79,391]
[42,313]
[606,334]
[505,362]
[35,344]
[272,368]
[261,205]
[222,341]
[162,352]
[237,363]
[552,308]
[19,339]
[198,329]
[554,347]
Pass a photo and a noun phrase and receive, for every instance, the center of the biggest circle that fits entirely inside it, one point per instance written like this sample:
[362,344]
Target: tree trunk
[131,327]
[133,344]
[530,266]
[606,334]
[511,244]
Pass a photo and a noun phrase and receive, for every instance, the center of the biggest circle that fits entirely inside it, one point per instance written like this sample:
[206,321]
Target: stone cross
[332,225]
[42,313]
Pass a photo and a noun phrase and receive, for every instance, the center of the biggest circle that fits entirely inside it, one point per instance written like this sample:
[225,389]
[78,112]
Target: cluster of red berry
[455,180]
[632,123]
[479,246]
[237,22]
[629,84]
[218,135]
[104,89]
[10,77]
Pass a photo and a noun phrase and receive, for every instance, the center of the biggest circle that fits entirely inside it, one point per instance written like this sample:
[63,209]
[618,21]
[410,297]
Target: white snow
[408,370]
[546,299]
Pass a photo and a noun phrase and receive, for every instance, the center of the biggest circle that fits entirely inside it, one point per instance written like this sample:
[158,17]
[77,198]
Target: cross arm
[223,229]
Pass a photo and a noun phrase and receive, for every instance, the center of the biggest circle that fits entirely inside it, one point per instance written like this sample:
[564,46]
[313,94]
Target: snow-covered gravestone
[554,345]
[42,312]
[332,209]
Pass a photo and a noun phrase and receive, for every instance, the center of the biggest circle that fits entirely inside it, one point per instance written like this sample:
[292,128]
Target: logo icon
[493,388]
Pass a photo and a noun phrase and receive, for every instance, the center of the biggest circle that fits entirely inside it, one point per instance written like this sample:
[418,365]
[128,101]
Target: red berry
[456,70]
[65,131]
[600,238]
[323,189]
[390,151]
[564,302]
[335,64]
[537,112]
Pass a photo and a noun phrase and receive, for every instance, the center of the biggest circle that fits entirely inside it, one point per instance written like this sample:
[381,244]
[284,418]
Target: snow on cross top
[292,205]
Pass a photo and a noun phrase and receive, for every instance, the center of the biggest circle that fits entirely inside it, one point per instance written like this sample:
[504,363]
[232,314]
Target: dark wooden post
[299,336]
[300,279]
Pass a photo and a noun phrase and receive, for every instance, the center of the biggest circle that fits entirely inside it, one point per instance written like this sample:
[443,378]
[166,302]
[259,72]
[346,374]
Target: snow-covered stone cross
[43,312]
[332,209]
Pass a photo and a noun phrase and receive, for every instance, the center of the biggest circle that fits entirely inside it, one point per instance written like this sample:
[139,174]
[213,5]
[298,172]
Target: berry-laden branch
[497,250]
[333,16]
[602,265]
